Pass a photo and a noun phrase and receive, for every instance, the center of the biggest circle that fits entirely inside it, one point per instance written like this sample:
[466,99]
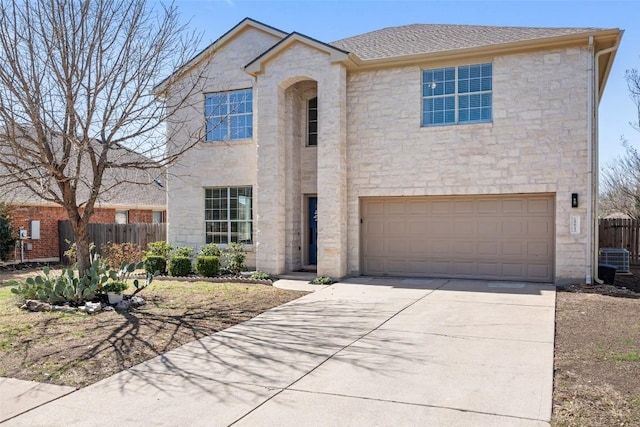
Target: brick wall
[46,248]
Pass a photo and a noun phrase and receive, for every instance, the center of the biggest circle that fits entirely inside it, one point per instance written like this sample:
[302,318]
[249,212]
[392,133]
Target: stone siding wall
[537,142]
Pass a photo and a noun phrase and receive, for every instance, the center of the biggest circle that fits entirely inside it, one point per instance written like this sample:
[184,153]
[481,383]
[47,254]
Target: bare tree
[621,179]
[78,116]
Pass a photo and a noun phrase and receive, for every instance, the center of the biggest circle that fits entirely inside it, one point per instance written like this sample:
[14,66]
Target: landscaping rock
[34,305]
[137,301]
[92,307]
[108,308]
[64,308]
[123,305]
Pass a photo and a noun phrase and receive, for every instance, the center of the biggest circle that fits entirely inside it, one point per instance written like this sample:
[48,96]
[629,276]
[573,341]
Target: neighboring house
[126,203]
[421,150]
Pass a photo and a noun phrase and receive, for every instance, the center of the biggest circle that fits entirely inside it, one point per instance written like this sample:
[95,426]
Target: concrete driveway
[385,352]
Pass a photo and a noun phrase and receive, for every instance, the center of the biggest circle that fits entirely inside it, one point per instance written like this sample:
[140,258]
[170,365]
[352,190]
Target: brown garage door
[489,237]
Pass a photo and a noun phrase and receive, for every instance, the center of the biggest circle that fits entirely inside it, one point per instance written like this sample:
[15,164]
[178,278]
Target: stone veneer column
[269,208]
[332,173]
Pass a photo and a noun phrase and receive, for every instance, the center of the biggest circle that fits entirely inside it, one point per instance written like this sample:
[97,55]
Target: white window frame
[124,214]
[217,122]
[209,236]
[456,95]
[308,133]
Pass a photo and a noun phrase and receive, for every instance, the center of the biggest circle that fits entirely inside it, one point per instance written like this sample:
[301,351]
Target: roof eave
[609,59]
[494,49]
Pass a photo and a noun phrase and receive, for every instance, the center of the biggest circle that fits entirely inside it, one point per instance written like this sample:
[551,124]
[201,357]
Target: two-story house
[421,150]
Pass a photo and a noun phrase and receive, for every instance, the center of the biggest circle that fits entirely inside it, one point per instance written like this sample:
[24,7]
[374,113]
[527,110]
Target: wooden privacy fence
[140,234]
[621,233]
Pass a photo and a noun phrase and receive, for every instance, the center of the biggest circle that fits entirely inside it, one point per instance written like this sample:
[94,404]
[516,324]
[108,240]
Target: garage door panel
[488,227]
[440,208]
[396,227]
[395,248]
[513,270]
[539,227]
[461,268]
[488,269]
[538,249]
[464,207]
[512,229]
[488,206]
[440,247]
[375,208]
[512,207]
[375,227]
[462,249]
[540,206]
[512,248]
[440,228]
[488,249]
[374,248]
[496,237]
[538,271]
[395,208]
[464,228]
[418,247]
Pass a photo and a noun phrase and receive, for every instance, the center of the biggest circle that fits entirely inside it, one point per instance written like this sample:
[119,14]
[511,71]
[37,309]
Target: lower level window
[228,215]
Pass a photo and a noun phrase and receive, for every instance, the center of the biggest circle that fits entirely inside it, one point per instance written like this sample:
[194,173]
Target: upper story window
[312,121]
[229,115]
[228,215]
[456,95]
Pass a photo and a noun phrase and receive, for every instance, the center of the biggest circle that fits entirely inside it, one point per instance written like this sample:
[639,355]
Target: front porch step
[298,275]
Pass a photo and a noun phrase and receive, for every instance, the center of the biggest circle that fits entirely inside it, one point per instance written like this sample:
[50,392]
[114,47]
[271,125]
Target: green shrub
[210,250]
[117,287]
[182,251]
[208,266]
[260,275]
[66,287]
[155,264]
[7,233]
[114,254]
[322,280]
[179,266]
[234,257]
[162,249]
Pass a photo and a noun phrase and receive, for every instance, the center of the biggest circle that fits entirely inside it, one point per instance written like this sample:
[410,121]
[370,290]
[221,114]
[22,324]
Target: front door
[313,230]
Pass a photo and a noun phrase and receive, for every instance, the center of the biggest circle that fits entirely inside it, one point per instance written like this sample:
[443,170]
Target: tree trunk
[83,241]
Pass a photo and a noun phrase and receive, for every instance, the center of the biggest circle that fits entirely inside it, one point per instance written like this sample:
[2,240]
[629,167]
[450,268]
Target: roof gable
[239,28]
[335,54]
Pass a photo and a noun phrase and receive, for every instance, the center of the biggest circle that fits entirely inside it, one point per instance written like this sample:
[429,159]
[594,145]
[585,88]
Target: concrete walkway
[396,352]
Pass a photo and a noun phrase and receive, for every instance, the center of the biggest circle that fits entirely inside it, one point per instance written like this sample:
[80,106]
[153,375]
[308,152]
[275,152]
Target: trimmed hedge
[155,264]
[208,266]
[179,266]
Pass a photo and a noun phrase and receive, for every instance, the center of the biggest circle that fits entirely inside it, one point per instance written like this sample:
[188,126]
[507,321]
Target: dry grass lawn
[79,349]
[597,361]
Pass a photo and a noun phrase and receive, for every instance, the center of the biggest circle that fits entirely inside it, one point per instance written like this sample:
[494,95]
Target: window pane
[229,115]
[473,86]
[463,72]
[486,100]
[228,209]
[486,83]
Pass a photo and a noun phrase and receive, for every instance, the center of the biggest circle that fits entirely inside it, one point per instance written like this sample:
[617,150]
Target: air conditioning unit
[617,257]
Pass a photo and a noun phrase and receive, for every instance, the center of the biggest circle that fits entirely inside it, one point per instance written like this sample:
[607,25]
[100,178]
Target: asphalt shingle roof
[431,38]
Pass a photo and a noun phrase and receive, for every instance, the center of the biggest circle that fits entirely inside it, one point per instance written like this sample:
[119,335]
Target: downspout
[590,154]
[593,144]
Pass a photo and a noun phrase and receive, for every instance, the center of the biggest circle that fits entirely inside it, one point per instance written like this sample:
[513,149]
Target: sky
[330,20]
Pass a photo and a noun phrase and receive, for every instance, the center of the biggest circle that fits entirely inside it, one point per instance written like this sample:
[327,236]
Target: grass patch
[629,356]
[77,349]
